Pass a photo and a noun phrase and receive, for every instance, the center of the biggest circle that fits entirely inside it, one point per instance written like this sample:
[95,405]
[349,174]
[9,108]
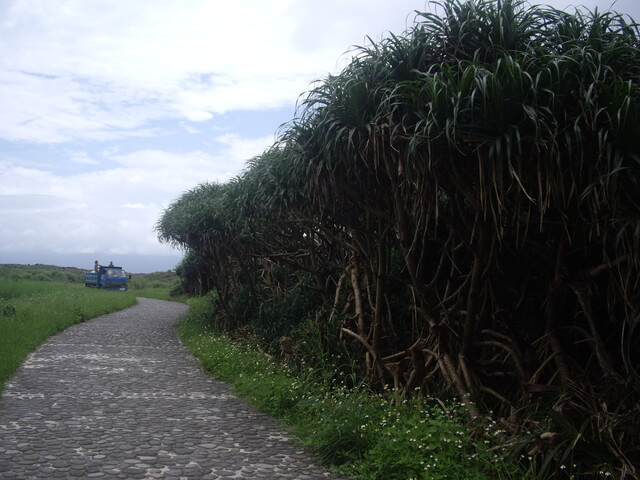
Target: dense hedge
[457,210]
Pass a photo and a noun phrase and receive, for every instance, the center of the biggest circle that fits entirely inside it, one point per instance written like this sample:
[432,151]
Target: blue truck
[111,278]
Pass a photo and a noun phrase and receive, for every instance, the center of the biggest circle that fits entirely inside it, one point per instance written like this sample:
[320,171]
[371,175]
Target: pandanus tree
[204,221]
[464,200]
[495,148]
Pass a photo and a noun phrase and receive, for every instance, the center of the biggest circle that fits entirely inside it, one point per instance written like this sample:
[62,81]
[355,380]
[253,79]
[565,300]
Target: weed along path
[119,397]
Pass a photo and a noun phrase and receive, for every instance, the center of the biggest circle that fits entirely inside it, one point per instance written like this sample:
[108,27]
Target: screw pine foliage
[463,201]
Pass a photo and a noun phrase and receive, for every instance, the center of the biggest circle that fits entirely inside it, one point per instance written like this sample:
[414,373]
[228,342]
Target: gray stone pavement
[119,397]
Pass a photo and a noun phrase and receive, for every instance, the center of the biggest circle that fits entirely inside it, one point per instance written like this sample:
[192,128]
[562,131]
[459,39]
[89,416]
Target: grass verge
[32,311]
[355,432]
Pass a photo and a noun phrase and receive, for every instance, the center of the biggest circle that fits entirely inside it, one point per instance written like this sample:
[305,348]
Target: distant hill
[41,272]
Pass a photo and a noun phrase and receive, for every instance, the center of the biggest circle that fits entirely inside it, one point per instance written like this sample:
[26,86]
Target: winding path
[119,397]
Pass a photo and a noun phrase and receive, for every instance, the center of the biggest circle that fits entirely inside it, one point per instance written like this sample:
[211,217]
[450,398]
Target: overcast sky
[111,109]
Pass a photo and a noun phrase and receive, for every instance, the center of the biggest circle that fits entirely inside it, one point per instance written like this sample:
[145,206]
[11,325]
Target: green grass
[42,273]
[31,311]
[141,281]
[357,433]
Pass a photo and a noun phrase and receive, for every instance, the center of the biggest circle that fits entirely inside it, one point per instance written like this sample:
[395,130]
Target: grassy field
[41,273]
[32,310]
[39,301]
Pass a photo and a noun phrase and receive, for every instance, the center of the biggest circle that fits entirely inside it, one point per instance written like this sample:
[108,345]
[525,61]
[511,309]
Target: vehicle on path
[110,278]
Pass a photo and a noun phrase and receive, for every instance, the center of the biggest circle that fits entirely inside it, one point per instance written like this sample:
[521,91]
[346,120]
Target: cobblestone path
[119,397]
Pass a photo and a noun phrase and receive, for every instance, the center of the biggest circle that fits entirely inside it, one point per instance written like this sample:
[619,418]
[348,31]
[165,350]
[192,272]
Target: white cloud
[106,70]
[189,128]
[109,68]
[114,209]
[33,203]
[134,205]
[82,158]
